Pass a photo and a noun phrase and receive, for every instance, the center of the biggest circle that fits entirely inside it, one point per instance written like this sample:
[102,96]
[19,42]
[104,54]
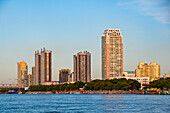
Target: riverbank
[99,92]
[93,92]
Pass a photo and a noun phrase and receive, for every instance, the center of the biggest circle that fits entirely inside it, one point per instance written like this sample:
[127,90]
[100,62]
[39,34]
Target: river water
[98,103]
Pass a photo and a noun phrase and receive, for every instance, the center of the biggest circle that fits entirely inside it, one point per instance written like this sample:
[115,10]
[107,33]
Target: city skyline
[65,30]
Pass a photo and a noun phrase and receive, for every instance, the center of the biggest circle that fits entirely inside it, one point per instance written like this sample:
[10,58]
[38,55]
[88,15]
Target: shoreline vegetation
[151,92]
[114,86]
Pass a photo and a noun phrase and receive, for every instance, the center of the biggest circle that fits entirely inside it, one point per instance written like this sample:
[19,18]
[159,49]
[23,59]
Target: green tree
[53,91]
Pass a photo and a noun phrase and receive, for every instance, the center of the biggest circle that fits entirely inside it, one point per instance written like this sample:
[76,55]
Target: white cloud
[158,9]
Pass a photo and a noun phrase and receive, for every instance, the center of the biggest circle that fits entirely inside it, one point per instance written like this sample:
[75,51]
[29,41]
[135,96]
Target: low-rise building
[166,75]
[129,73]
[143,80]
[52,83]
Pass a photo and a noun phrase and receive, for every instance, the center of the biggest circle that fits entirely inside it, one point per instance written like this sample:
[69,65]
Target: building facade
[22,74]
[52,83]
[71,78]
[82,66]
[112,54]
[129,74]
[30,80]
[151,70]
[33,75]
[43,66]
[64,75]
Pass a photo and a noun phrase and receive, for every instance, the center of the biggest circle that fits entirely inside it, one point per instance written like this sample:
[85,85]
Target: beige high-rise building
[22,74]
[82,67]
[43,66]
[112,54]
[151,70]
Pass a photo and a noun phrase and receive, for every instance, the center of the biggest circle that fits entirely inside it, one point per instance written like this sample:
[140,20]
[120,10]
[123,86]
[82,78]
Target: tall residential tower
[82,67]
[112,54]
[43,68]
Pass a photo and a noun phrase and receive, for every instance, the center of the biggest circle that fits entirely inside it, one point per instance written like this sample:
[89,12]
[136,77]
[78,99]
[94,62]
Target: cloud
[158,9]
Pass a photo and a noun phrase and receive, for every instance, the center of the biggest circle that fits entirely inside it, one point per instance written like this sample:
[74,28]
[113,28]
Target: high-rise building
[22,74]
[33,75]
[151,70]
[112,54]
[64,74]
[43,68]
[82,67]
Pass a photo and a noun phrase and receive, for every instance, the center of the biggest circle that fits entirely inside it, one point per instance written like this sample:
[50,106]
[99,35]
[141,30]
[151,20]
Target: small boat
[12,92]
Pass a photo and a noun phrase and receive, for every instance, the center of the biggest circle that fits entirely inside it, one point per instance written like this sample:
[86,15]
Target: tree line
[114,84]
[59,87]
[161,83]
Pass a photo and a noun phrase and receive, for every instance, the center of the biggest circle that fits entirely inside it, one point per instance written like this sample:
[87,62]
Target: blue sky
[69,26]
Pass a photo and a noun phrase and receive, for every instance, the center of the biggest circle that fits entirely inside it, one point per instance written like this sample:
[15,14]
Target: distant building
[22,74]
[71,78]
[33,75]
[52,83]
[30,80]
[64,74]
[167,75]
[112,54]
[143,80]
[43,66]
[129,74]
[82,67]
[151,70]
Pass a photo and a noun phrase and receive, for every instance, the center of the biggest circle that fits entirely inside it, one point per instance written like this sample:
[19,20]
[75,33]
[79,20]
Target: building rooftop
[42,51]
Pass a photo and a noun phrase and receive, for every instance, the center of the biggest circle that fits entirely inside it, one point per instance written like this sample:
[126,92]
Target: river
[35,103]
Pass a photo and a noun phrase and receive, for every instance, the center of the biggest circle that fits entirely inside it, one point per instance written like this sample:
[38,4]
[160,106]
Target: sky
[67,27]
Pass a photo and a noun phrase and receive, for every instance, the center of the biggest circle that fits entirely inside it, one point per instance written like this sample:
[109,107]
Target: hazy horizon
[68,27]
